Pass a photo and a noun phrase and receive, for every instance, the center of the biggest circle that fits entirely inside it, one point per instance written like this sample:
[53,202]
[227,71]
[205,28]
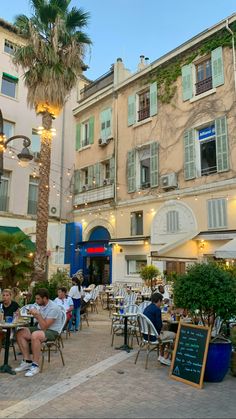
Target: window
[9,85]
[217,213]
[143,105]
[4,191]
[203,76]
[144,162]
[8,128]
[35,141]
[85,179]
[172,221]
[33,195]
[85,134]
[136,223]
[107,170]
[143,168]
[207,150]
[135,265]
[9,47]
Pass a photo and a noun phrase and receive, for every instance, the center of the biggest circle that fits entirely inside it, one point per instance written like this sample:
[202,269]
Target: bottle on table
[1,313]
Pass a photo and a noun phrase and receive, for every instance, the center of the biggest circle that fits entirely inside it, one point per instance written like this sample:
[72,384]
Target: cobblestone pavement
[100,382]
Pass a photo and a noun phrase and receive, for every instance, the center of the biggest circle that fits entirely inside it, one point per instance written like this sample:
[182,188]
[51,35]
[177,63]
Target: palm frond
[77,19]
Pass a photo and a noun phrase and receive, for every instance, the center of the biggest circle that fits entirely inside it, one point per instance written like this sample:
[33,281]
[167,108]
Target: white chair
[150,339]
[143,305]
[57,343]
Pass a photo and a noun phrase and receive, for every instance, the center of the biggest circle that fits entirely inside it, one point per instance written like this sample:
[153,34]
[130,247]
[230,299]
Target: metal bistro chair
[143,305]
[57,343]
[146,331]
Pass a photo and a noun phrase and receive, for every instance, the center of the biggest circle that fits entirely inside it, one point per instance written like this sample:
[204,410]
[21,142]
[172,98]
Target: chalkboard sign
[190,353]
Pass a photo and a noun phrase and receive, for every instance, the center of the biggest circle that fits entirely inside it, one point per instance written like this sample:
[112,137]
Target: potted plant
[207,291]
[148,273]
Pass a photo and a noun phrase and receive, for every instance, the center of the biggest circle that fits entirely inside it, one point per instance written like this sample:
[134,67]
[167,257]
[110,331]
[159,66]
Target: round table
[6,368]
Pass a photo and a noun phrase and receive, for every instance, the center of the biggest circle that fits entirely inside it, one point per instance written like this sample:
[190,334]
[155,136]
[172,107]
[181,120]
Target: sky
[130,28]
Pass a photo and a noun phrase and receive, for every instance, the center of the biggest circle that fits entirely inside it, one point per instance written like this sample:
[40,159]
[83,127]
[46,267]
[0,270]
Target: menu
[190,353]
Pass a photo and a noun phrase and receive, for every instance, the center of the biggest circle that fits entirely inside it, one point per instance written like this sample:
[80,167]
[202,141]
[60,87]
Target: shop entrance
[97,270]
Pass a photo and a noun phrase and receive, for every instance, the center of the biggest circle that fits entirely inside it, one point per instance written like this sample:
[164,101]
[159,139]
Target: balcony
[203,85]
[97,85]
[95,195]
[4,203]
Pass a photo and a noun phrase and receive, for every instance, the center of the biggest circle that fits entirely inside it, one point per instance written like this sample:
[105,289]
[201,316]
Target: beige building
[18,189]
[156,161]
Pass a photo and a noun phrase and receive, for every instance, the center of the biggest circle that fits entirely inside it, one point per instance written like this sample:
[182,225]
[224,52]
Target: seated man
[49,318]
[9,307]
[153,312]
[65,301]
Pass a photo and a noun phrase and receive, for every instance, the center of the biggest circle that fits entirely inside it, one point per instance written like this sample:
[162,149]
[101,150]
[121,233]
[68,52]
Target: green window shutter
[222,154]
[153,99]
[189,155]
[131,175]
[90,176]
[108,122]
[78,137]
[91,130]
[154,175]
[77,184]
[187,82]
[131,110]
[217,67]
[97,174]
[103,125]
[112,169]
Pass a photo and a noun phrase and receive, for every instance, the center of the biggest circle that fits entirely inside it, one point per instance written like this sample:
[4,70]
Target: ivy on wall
[167,74]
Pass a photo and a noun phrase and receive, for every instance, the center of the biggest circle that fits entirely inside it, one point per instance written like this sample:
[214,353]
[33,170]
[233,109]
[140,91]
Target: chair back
[143,305]
[132,308]
[130,298]
[146,326]
[63,319]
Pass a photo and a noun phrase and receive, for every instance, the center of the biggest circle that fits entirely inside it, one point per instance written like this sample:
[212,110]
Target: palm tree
[15,259]
[52,59]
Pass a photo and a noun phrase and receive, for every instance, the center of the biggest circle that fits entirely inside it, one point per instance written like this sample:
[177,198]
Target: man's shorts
[50,334]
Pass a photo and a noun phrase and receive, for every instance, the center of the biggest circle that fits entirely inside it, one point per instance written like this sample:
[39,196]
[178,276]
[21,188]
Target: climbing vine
[167,74]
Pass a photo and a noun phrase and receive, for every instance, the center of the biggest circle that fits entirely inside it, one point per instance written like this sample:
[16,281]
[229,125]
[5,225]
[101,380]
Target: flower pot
[233,363]
[218,361]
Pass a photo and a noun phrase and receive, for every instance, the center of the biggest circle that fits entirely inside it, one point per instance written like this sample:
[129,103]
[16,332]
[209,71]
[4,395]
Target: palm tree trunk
[40,260]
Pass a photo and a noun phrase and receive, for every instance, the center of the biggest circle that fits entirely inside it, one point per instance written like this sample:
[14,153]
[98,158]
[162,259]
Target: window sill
[202,95]
[84,148]
[9,97]
[144,121]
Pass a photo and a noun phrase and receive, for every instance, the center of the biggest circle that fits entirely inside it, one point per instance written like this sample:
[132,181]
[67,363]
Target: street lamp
[24,156]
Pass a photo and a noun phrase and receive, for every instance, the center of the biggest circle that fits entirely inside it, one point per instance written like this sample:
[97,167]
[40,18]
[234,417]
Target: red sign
[95,250]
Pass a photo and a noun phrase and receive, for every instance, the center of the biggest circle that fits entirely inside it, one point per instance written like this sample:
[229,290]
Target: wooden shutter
[91,130]
[222,154]
[187,82]
[154,175]
[112,169]
[77,185]
[78,137]
[217,213]
[90,176]
[217,66]
[131,172]
[153,99]
[189,155]
[131,110]
[97,174]
[108,122]
[103,126]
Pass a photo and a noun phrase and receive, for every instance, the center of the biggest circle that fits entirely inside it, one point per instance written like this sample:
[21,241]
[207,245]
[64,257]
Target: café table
[6,368]
[125,346]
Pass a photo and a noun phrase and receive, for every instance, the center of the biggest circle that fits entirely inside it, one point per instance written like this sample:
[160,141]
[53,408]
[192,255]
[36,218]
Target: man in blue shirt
[153,313]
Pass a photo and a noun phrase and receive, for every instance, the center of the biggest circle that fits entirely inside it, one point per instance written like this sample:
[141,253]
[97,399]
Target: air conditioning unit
[106,182]
[104,142]
[84,188]
[36,155]
[169,181]
[53,211]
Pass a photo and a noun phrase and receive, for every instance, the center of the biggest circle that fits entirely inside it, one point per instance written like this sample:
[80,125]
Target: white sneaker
[32,371]
[23,366]
[165,361]
[159,358]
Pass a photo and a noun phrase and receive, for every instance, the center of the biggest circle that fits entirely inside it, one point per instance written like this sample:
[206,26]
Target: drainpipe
[62,159]
[233,48]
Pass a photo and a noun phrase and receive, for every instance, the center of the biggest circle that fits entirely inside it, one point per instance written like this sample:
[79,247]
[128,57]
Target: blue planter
[218,361]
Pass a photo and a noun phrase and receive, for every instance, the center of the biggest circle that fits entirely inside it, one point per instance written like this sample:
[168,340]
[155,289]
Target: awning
[227,251]
[11,230]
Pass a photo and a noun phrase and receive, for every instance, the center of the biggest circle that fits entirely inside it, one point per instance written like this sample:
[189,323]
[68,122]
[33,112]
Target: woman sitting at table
[65,301]
[9,307]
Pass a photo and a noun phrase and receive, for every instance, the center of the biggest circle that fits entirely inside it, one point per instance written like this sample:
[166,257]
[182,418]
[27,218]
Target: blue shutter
[78,137]
[131,110]
[154,175]
[189,155]
[217,67]
[153,99]
[222,154]
[187,82]
[131,172]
